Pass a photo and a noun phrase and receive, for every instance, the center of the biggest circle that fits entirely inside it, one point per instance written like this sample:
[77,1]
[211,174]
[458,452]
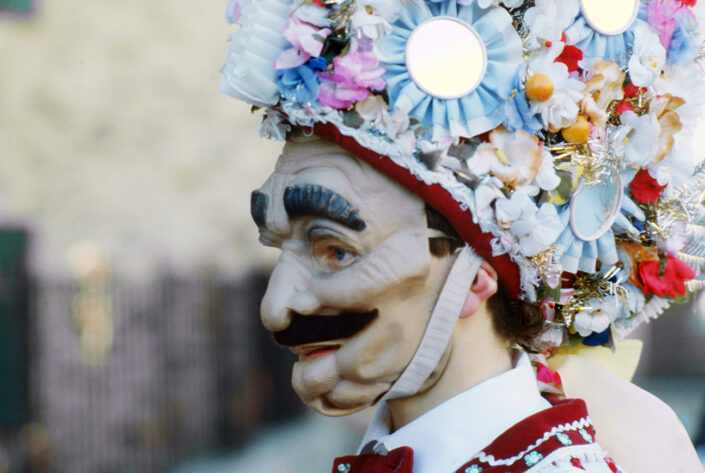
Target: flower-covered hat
[554,135]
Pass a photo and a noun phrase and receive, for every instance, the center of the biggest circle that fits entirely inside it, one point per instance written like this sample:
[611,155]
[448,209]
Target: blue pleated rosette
[615,47]
[479,111]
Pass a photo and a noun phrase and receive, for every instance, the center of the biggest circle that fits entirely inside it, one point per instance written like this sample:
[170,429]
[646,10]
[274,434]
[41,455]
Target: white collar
[450,434]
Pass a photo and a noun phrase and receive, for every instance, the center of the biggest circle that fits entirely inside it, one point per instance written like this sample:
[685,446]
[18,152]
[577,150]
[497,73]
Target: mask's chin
[348,398]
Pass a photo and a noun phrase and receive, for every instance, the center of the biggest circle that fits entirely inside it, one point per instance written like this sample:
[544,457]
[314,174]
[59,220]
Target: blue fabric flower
[684,46]
[608,47]
[517,113]
[479,111]
[300,84]
[597,339]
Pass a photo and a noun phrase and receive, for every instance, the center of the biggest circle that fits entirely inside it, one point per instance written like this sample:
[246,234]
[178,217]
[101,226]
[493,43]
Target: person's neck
[476,354]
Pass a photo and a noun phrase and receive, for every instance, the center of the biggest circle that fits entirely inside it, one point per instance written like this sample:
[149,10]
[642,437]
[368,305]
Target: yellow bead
[539,88]
[578,132]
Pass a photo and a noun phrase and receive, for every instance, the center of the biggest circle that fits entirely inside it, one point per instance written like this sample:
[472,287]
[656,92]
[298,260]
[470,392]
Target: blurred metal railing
[135,378]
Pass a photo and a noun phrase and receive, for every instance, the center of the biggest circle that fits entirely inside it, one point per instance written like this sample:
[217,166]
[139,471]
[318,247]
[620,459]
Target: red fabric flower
[399,460]
[570,57]
[671,283]
[630,90]
[645,188]
[688,3]
[624,107]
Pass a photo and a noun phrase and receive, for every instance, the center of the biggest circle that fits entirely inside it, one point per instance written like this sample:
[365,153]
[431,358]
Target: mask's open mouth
[311,329]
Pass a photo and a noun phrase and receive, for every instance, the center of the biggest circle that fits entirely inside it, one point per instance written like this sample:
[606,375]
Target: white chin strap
[440,325]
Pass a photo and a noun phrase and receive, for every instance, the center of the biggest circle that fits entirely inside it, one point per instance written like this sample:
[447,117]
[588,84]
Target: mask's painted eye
[331,255]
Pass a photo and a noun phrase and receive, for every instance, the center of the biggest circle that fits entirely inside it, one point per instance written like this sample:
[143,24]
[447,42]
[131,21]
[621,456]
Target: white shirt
[448,435]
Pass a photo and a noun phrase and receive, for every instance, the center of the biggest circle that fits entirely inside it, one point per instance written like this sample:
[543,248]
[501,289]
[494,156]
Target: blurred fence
[134,378]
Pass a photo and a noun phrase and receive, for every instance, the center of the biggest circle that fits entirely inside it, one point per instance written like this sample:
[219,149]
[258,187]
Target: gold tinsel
[588,287]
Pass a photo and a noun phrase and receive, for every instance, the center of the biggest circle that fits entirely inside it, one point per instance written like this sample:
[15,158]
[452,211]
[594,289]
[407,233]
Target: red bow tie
[400,460]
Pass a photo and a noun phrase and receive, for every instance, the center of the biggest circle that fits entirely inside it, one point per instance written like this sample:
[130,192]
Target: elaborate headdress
[555,135]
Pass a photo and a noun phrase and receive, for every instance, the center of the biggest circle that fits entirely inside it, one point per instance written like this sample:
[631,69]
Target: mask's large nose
[288,291]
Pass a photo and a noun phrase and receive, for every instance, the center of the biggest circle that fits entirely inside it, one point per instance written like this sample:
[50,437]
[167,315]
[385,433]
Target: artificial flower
[665,279]
[307,42]
[637,140]
[601,90]
[548,19]
[351,80]
[678,165]
[662,18]
[274,126]
[686,83]
[536,228]
[598,316]
[493,3]
[664,109]
[645,188]
[561,109]
[486,193]
[571,57]
[395,125]
[373,18]
[685,43]
[545,375]
[648,57]
[515,158]
[630,90]
[299,84]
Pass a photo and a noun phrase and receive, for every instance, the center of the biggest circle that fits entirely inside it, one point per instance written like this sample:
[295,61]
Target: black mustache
[305,329]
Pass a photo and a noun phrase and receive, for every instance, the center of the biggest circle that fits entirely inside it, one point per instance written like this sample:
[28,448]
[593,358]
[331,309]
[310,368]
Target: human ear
[483,287]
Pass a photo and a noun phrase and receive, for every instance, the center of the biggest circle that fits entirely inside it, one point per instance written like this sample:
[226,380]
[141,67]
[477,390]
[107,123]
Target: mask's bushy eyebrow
[317,201]
[258,208]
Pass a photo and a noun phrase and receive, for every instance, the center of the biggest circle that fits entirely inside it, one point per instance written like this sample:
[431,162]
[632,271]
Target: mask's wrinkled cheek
[401,259]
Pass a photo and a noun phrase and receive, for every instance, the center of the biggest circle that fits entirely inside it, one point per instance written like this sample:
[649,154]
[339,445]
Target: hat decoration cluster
[564,126]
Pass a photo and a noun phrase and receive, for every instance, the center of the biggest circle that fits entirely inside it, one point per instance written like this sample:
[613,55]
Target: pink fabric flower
[545,375]
[353,75]
[662,16]
[307,42]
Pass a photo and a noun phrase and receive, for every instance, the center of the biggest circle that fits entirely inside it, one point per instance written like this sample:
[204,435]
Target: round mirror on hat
[450,72]
[610,17]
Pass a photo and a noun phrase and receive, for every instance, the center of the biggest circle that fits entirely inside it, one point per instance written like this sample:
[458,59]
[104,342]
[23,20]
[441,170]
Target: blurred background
[130,273]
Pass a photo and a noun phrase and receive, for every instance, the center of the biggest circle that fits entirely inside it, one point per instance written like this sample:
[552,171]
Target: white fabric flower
[548,19]
[687,83]
[373,18]
[518,159]
[637,139]
[678,165]
[493,3]
[648,57]
[547,179]
[562,108]
[601,314]
[536,228]
[489,190]
[274,126]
